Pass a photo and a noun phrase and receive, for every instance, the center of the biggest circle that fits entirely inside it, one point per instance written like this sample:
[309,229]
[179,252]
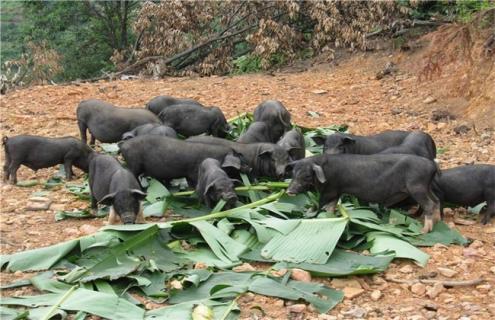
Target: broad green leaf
[312,241]
[343,263]
[45,282]
[156,191]
[441,233]
[224,247]
[202,312]
[37,259]
[154,210]
[384,243]
[111,148]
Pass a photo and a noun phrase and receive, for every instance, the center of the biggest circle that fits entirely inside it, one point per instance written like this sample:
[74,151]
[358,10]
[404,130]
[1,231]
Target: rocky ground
[322,95]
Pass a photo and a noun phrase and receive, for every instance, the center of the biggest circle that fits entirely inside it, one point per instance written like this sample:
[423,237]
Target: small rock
[37,206]
[300,275]
[326,317]
[248,297]
[297,308]
[492,269]
[418,288]
[441,125]
[476,244]
[72,232]
[406,269]
[376,295]
[87,229]
[449,273]
[355,312]
[245,267]
[415,317]
[489,230]
[351,292]
[484,287]
[464,222]
[176,284]
[39,199]
[396,111]
[342,283]
[430,306]
[470,252]
[18,273]
[319,91]
[200,265]
[57,207]
[434,290]
[462,129]
[430,315]
[429,100]
[438,115]
[279,303]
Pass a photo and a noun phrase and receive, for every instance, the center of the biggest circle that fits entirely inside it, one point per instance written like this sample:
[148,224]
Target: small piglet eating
[113,185]
[293,142]
[150,128]
[165,158]
[257,132]
[40,152]
[157,104]
[265,159]
[191,120]
[469,185]
[108,123]
[214,184]
[276,117]
[383,179]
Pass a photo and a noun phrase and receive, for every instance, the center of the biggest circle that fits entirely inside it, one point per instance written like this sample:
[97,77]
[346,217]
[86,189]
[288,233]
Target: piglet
[40,152]
[468,185]
[293,142]
[214,184]
[150,128]
[257,132]
[113,185]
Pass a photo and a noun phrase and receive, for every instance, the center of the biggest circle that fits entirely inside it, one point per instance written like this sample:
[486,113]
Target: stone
[176,284]
[484,287]
[279,303]
[200,265]
[378,280]
[489,230]
[297,308]
[319,91]
[245,267]
[429,100]
[279,272]
[430,314]
[326,317]
[446,272]
[435,290]
[38,206]
[39,199]
[355,312]
[441,125]
[351,292]
[87,229]
[418,289]
[72,232]
[376,295]
[470,252]
[406,269]
[430,306]
[492,269]
[300,275]
[343,282]
[57,207]
[416,317]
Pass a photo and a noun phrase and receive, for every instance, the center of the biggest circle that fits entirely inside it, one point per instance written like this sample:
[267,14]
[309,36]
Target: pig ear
[292,151]
[348,140]
[319,173]
[138,194]
[236,182]
[108,199]
[319,140]
[266,152]
[290,166]
[281,118]
[231,160]
[209,188]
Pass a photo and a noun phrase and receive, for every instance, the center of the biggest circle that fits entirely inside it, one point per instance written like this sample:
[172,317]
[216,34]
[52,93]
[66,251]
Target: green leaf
[156,191]
[343,263]
[224,247]
[441,233]
[45,282]
[37,259]
[382,242]
[154,210]
[111,148]
[202,312]
[311,241]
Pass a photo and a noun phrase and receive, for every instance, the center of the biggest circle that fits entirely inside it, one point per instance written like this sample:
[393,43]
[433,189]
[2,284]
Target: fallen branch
[445,283]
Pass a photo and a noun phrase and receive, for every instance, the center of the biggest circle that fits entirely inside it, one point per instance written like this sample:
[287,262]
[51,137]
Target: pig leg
[6,166]
[14,166]
[140,216]
[328,200]
[68,169]
[82,130]
[113,218]
[330,207]
[431,205]
[489,212]
[93,140]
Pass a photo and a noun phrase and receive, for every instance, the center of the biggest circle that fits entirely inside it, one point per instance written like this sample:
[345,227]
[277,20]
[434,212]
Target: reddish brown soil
[352,96]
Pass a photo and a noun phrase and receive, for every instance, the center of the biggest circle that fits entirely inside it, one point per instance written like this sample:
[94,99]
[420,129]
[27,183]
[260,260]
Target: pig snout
[229,197]
[280,171]
[128,218]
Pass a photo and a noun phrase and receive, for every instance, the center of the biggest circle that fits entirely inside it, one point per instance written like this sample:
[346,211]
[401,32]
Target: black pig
[40,152]
[469,185]
[157,104]
[384,179]
[214,184]
[108,123]
[257,132]
[150,128]
[115,186]
[192,120]
[265,159]
[275,115]
[293,142]
[165,158]
[349,143]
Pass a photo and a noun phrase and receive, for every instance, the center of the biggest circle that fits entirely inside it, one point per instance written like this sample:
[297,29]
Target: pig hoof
[428,226]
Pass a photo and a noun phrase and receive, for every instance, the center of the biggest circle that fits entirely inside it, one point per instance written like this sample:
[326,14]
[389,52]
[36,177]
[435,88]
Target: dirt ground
[347,93]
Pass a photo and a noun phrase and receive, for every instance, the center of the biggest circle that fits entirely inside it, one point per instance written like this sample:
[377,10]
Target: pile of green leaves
[186,263]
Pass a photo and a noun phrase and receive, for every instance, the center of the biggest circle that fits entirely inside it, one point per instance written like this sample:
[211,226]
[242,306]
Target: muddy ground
[344,94]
